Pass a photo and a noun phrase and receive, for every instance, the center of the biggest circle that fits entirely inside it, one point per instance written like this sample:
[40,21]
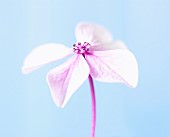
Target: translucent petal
[92,33]
[109,46]
[67,78]
[45,54]
[114,66]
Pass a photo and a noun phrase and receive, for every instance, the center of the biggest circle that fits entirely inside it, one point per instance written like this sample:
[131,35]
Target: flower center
[81,48]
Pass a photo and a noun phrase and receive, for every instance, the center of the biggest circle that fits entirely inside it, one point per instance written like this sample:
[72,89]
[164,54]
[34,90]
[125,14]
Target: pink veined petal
[44,54]
[67,78]
[109,46]
[92,33]
[114,66]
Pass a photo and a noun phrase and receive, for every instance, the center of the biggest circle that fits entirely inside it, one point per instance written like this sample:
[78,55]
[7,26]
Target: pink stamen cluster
[81,48]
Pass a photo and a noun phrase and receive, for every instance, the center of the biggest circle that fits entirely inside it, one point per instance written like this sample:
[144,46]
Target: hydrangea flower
[95,55]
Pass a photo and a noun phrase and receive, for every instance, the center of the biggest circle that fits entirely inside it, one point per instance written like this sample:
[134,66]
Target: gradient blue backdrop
[26,106]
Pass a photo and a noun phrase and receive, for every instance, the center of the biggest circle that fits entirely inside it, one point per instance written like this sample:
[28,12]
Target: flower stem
[93,126]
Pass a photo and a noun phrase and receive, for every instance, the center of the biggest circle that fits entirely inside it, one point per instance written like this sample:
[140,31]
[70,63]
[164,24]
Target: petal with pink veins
[92,33]
[67,78]
[114,66]
[109,46]
[45,54]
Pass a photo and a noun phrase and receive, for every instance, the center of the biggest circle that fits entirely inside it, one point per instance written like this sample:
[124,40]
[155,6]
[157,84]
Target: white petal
[45,54]
[67,78]
[109,46]
[114,66]
[92,33]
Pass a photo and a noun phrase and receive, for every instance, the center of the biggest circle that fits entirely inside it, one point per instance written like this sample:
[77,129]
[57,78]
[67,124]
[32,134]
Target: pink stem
[93,126]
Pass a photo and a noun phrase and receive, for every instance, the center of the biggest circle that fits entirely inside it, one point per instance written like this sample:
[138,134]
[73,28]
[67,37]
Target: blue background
[26,106]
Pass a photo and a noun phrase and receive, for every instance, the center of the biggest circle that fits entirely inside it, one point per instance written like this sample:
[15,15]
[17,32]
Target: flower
[95,53]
